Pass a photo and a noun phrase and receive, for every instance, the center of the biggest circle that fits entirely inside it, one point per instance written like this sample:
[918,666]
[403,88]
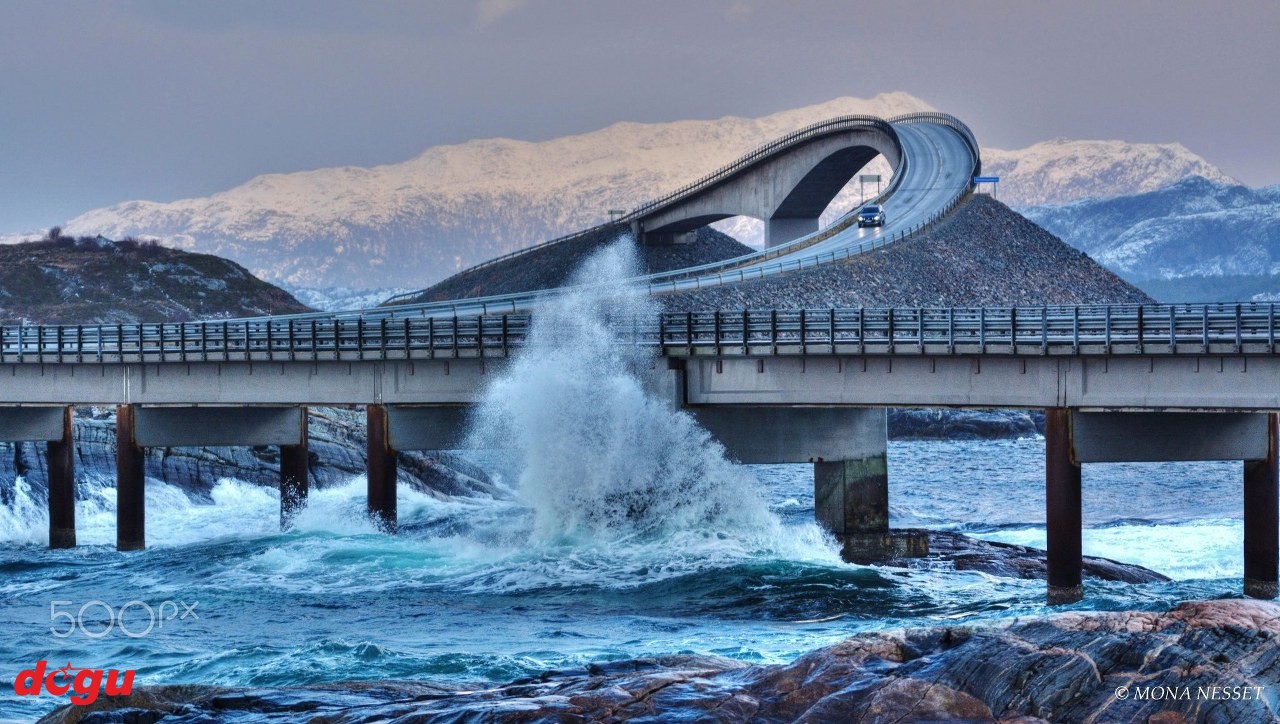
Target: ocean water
[626,534]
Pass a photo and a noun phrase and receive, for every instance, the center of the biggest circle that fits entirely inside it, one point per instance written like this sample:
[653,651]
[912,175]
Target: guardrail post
[1140,330]
[60,456]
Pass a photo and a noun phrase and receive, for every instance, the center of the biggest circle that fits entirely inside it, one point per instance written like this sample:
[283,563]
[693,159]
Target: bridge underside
[789,193]
[821,409]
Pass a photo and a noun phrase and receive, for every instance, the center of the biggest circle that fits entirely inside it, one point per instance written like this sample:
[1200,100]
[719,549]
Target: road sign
[869,178]
[986,179]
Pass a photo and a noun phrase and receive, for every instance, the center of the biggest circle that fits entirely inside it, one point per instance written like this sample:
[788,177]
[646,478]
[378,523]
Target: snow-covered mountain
[1061,171]
[1196,227]
[413,223]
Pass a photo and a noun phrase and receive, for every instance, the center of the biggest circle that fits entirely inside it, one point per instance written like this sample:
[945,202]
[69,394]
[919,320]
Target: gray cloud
[161,99]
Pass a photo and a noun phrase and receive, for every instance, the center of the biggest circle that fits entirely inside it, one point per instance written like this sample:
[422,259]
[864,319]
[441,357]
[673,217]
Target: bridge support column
[780,231]
[295,471]
[381,469]
[851,499]
[62,487]
[130,483]
[1062,509]
[1261,526]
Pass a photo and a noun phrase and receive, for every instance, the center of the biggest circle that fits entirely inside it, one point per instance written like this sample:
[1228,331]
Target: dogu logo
[83,683]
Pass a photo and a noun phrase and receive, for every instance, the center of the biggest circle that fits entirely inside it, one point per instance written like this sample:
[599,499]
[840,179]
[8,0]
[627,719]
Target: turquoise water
[465,593]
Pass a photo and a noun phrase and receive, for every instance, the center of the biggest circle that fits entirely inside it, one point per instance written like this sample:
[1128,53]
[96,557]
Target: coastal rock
[336,439]
[1202,661]
[960,552]
[948,424]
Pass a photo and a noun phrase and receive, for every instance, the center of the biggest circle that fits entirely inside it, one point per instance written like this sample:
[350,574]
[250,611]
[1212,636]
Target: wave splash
[598,455]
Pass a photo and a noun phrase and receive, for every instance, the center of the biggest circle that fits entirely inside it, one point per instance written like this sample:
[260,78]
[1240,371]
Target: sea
[626,533]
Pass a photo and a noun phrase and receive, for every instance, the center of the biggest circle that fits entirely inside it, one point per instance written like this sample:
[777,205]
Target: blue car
[871,215]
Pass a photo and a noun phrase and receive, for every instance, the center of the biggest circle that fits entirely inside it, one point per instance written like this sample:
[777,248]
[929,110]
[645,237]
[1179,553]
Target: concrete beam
[206,426]
[1126,437]
[764,434]
[37,424]
[937,379]
[440,427]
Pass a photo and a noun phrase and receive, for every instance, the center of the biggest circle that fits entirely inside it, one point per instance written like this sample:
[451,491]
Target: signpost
[993,180]
[868,178]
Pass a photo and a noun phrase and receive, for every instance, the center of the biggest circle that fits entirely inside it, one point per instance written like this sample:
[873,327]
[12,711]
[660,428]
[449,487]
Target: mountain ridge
[449,207]
[1196,227]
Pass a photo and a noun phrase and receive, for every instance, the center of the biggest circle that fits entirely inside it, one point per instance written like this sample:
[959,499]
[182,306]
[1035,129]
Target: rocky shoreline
[336,447]
[1201,661]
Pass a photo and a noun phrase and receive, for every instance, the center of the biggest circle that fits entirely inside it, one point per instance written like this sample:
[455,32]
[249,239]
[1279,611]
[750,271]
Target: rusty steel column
[1261,527]
[295,471]
[381,470]
[62,487]
[1062,508]
[130,484]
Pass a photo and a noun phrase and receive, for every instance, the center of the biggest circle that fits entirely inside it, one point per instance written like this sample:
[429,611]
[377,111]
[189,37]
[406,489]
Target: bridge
[1118,383]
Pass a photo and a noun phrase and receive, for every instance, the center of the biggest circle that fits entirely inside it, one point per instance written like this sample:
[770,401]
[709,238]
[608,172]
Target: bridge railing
[1093,330]
[1113,329]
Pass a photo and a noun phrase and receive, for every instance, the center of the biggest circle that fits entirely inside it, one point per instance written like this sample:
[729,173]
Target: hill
[983,253]
[63,280]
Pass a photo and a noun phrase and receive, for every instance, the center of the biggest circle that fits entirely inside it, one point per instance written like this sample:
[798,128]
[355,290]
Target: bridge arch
[788,189]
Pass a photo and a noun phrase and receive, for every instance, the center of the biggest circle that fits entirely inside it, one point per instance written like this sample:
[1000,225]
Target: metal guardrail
[1058,330]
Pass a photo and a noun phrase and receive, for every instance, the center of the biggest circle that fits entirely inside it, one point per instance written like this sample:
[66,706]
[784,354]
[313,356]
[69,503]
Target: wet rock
[1202,661]
[959,552]
[947,424]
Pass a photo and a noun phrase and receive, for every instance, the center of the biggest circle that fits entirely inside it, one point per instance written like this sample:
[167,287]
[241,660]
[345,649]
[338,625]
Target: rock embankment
[1202,661]
[551,267]
[982,254]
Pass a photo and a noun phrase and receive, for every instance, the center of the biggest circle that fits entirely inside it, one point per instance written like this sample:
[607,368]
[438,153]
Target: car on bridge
[871,215]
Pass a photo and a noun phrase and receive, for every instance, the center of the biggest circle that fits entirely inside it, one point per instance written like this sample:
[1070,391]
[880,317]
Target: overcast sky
[108,101]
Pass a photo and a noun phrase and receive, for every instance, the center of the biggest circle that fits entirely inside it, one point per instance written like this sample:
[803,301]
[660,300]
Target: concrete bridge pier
[1261,526]
[1063,526]
[847,446]
[50,425]
[295,472]
[61,457]
[131,519]
[1073,437]
[138,428]
[380,469]
[781,230]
